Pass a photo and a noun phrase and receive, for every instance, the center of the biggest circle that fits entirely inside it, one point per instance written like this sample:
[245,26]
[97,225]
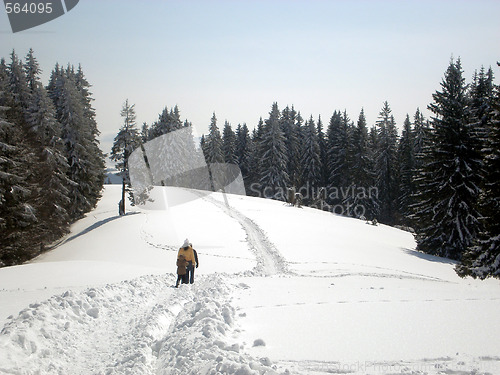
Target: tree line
[440,176]
[51,167]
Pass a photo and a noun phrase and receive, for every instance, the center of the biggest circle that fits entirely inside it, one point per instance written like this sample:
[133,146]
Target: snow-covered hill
[279,290]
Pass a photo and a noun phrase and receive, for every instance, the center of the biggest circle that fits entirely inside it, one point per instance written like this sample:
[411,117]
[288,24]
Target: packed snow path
[141,326]
[269,260]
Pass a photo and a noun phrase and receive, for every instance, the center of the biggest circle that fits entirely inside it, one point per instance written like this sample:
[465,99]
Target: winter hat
[186,243]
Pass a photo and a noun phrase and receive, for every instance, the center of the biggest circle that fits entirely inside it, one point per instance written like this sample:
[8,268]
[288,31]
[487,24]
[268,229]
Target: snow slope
[279,290]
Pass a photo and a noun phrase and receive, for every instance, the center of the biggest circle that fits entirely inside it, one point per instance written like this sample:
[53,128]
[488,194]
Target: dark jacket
[196,258]
[181,265]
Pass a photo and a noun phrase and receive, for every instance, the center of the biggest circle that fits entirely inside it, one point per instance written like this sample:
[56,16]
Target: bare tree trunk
[122,202]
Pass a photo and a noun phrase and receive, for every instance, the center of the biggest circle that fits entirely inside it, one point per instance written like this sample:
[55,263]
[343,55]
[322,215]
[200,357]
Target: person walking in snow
[188,253]
[181,270]
[191,271]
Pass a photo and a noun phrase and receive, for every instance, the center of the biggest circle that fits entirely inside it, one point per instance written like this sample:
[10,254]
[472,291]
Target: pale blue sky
[237,57]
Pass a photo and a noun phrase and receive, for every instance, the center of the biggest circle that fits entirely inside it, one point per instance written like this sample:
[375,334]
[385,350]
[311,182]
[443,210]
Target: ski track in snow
[269,260]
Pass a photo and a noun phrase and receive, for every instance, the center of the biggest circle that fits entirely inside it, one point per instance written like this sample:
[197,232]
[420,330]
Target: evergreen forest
[51,166]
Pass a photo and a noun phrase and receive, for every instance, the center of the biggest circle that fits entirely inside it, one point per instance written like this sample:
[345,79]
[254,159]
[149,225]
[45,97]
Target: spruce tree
[17,86]
[482,258]
[322,152]
[229,144]
[17,214]
[386,166]
[362,199]
[244,153]
[446,217]
[257,136]
[338,156]
[72,100]
[291,127]
[32,70]
[96,157]
[168,121]
[50,176]
[311,161]
[421,136]
[126,141]
[274,177]
[406,156]
[203,145]
[213,143]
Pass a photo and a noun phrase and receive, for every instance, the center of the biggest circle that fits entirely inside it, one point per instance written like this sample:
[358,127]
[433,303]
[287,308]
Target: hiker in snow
[181,270]
[188,253]
[191,271]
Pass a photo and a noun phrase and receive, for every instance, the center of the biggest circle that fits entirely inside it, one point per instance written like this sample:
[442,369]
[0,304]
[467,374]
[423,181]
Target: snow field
[279,290]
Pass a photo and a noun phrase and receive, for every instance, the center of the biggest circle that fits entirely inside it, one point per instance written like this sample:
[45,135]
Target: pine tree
[386,166]
[421,136]
[311,161]
[322,152]
[362,199]
[126,141]
[144,132]
[18,86]
[214,147]
[74,112]
[17,214]
[169,120]
[274,177]
[482,259]
[50,196]
[446,217]
[291,127]
[338,157]
[32,70]
[229,144]
[254,158]
[96,173]
[244,153]
[406,156]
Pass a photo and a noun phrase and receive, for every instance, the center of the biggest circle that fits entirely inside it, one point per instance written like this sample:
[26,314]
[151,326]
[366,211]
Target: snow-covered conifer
[339,142]
[168,120]
[362,199]
[50,176]
[291,124]
[17,215]
[72,101]
[274,178]
[213,145]
[322,152]
[386,166]
[229,144]
[406,156]
[446,217]
[311,161]
[482,259]
[126,141]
